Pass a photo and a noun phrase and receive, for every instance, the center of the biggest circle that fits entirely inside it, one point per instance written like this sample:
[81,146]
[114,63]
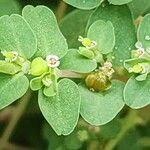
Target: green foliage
[44,24]
[73,60]
[84,4]
[103,33]
[62,110]
[12,88]
[143,33]
[16,35]
[9,68]
[125,36]
[136,93]
[100,108]
[101,43]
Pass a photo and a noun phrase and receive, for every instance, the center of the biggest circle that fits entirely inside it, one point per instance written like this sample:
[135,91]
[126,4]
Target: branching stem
[61,10]
[14,120]
[129,122]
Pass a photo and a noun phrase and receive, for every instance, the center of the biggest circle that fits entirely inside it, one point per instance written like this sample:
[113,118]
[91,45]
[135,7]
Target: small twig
[14,120]
[7,113]
[70,74]
[11,146]
[129,122]
[61,10]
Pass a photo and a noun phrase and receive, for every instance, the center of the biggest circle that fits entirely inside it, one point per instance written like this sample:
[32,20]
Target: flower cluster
[139,62]
[45,74]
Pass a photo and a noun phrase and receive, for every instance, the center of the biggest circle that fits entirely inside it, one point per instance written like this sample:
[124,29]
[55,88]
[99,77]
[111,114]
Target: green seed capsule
[97,81]
[86,42]
[38,67]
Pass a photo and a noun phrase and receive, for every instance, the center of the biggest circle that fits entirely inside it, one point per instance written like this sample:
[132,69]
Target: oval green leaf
[12,88]
[137,93]
[9,68]
[143,33]
[100,108]
[16,35]
[84,4]
[73,61]
[120,17]
[62,110]
[44,24]
[104,35]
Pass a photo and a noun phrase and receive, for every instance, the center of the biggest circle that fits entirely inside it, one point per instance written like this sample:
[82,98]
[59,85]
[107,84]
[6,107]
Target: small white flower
[93,44]
[140,52]
[107,69]
[53,61]
[140,49]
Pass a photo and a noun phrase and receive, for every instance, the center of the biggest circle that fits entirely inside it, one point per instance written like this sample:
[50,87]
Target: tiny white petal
[130,70]
[80,38]
[52,57]
[138,45]
[52,61]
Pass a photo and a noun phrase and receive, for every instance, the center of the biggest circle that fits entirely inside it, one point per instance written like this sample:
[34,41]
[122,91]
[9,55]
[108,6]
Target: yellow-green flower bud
[86,42]
[10,56]
[97,81]
[38,67]
[137,68]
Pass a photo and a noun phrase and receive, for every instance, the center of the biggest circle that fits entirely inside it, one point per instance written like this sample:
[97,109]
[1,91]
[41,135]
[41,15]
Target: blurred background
[130,130]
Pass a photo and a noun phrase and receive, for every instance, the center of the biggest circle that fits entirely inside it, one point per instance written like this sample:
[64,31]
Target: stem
[70,74]
[14,120]
[61,10]
[129,122]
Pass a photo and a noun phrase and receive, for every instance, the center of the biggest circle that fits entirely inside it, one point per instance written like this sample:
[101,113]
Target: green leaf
[62,110]
[73,25]
[73,61]
[119,2]
[8,7]
[36,83]
[103,33]
[49,91]
[16,35]
[137,93]
[9,68]
[98,108]
[121,19]
[44,24]
[139,7]
[143,33]
[84,4]
[12,88]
